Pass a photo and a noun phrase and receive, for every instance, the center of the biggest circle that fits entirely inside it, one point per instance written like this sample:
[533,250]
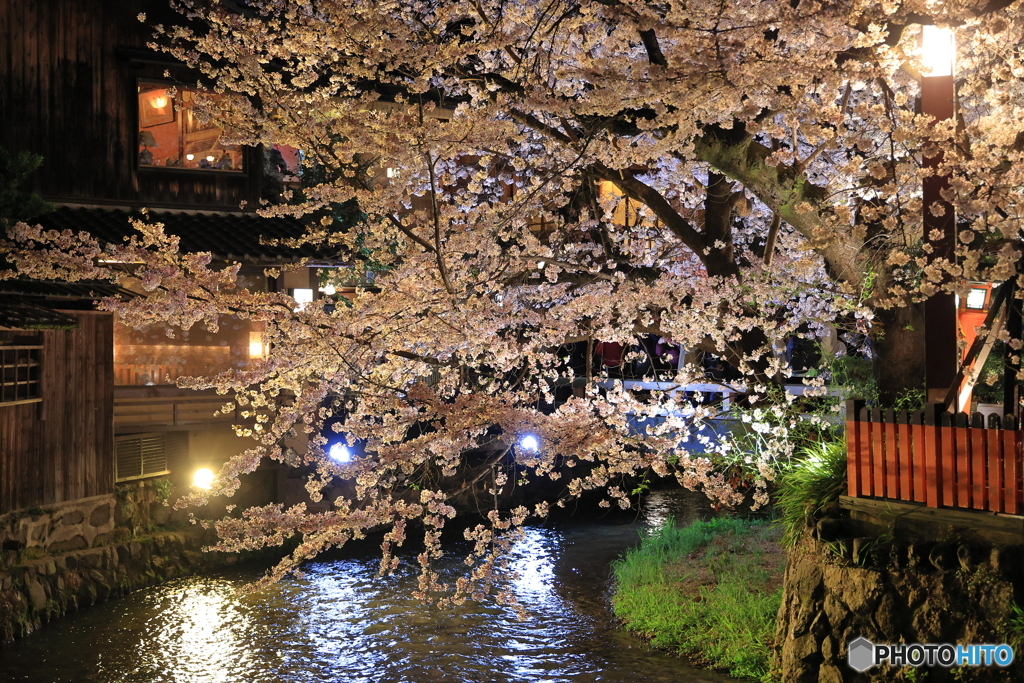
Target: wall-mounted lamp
[256,347]
[203,478]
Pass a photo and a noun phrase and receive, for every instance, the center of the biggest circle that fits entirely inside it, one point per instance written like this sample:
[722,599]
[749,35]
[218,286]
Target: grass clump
[709,591]
[808,485]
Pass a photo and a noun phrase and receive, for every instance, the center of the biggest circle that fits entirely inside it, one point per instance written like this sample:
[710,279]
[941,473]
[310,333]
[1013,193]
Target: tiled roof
[19,314]
[52,290]
[29,304]
[229,237]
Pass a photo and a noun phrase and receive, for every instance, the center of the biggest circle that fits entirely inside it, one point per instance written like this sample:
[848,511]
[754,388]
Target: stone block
[93,560]
[72,518]
[829,649]
[37,595]
[161,514]
[100,515]
[943,557]
[888,615]
[829,674]
[74,543]
[103,539]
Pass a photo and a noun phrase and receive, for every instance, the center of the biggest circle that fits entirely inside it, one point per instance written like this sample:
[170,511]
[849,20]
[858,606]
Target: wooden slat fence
[936,458]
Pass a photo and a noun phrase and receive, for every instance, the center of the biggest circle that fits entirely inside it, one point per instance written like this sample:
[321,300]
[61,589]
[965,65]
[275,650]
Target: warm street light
[938,95]
[203,478]
[938,51]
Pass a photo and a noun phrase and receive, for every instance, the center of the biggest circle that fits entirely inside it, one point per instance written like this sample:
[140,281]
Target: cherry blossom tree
[533,174]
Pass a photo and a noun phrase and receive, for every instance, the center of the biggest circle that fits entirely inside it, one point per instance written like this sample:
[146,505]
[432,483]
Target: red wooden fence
[935,457]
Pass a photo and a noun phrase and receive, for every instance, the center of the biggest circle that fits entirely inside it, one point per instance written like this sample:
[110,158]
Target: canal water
[340,623]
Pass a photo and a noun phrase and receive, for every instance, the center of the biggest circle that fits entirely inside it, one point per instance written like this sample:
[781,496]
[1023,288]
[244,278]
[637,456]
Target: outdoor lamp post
[938,100]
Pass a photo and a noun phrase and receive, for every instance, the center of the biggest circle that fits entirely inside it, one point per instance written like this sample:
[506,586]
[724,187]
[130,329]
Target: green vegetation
[1015,627]
[709,591]
[810,483]
[17,204]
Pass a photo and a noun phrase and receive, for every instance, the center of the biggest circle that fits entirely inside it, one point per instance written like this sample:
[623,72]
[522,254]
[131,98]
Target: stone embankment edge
[36,591]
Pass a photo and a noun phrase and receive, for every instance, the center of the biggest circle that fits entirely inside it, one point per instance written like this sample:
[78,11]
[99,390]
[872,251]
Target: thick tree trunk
[899,350]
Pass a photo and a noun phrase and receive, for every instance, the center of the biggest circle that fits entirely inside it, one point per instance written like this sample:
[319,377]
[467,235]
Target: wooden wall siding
[935,458]
[68,92]
[63,448]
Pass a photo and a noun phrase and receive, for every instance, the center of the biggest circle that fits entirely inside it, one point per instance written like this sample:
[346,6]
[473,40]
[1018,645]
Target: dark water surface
[341,623]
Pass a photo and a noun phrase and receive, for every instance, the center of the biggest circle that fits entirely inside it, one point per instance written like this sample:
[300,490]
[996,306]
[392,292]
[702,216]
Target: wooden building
[56,396]
[113,121]
[79,86]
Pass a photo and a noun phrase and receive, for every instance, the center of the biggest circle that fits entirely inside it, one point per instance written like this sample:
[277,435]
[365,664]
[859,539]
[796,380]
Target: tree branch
[635,189]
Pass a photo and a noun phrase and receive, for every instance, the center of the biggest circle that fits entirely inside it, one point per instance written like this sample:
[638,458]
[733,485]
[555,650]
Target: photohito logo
[862,654]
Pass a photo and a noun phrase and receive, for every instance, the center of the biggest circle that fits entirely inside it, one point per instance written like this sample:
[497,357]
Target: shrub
[811,482]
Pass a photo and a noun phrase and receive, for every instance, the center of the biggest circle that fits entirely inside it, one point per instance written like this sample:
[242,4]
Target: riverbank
[709,592]
[75,554]
[36,591]
[339,621]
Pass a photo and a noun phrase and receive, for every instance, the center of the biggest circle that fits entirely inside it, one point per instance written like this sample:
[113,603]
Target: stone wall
[36,591]
[73,554]
[892,590]
[74,525]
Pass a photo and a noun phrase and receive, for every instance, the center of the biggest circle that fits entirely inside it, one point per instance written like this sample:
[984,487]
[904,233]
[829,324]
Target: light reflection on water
[342,623]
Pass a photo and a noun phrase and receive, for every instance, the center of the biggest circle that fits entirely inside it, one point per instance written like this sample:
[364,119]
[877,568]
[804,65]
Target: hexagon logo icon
[860,654]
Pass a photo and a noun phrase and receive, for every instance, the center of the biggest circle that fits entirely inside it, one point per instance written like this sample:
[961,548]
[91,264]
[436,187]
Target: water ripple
[340,623]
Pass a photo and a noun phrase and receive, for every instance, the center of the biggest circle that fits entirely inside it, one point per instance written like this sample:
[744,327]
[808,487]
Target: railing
[936,458]
[138,408]
[722,392]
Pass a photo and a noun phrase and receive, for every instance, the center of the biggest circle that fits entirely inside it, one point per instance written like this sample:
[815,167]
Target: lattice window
[149,455]
[20,374]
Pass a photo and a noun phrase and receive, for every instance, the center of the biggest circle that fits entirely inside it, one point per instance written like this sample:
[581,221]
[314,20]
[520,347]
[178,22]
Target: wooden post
[941,357]
[905,456]
[933,474]
[864,433]
[1011,358]
[853,447]
[917,456]
[1012,466]
[892,463]
[878,452]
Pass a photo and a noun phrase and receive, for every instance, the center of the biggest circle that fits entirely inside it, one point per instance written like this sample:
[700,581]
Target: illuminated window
[303,297]
[976,298]
[171,135]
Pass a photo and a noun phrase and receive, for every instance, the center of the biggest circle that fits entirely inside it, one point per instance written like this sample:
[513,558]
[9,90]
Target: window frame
[245,158]
[27,359]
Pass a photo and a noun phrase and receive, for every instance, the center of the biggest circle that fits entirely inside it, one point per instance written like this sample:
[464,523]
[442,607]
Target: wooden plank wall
[63,448]
[68,91]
